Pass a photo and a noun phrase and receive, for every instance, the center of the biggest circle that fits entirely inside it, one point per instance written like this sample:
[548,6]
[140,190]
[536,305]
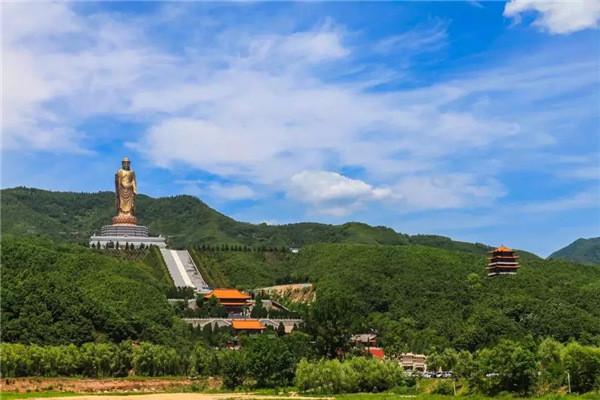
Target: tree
[207,333]
[552,369]
[330,322]
[449,358]
[234,367]
[280,329]
[258,311]
[203,361]
[270,362]
[583,365]
[464,365]
[300,344]
[509,366]
[214,308]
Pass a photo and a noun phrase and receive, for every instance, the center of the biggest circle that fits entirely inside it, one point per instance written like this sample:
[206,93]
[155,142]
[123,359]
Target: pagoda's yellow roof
[501,248]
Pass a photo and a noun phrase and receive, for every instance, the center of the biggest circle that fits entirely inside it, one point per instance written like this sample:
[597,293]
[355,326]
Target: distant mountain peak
[581,250]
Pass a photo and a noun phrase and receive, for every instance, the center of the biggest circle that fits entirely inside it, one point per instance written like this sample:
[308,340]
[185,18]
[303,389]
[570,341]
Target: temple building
[502,262]
[413,362]
[251,326]
[232,299]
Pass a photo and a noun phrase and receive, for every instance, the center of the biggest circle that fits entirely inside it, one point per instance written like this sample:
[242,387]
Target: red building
[502,262]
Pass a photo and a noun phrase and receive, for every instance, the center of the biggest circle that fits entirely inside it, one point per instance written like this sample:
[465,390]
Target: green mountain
[58,293]
[415,296]
[434,298]
[74,217]
[581,250]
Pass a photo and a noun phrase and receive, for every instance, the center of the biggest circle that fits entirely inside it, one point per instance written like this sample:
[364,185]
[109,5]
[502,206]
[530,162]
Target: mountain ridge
[581,250]
[187,220]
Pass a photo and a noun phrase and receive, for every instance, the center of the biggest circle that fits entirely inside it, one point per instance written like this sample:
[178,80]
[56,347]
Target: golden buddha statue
[126,190]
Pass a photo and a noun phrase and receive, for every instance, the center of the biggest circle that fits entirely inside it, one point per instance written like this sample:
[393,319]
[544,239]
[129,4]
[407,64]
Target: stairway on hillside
[183,270]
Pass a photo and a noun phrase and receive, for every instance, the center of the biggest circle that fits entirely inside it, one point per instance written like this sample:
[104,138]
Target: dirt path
[189,396]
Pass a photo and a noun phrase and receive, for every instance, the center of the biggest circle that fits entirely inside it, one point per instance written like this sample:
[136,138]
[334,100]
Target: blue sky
[474,120]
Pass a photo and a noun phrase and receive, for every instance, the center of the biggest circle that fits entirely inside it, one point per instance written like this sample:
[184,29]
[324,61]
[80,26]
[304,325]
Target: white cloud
[557,17]
[449,191]
[583,200]
[60,67]
[263,105]
[335,194]
[232,192]
[322,186]
[421,39]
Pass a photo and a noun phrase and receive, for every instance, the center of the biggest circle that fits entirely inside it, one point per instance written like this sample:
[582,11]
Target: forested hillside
[581,250]
[74,217]
[418,298]
[63,293]
[426,297]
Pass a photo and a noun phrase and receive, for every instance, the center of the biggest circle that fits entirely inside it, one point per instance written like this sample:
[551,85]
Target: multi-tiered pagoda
[502,262]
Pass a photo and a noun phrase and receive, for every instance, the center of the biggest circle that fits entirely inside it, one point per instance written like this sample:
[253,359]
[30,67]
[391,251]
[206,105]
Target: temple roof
[496,266]
[247,324]
[501,248]
[502,257]
[227,294]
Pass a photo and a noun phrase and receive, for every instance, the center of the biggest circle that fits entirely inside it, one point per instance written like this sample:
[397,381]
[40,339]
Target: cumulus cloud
[557,17]
[60,67]
[320,186]
[269,106]
[232,192]
[336,195]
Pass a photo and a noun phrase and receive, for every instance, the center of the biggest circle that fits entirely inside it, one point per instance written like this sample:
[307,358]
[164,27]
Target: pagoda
[502,262]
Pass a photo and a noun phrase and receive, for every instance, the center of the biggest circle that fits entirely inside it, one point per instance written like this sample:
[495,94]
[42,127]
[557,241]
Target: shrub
[355,375]
[233,368]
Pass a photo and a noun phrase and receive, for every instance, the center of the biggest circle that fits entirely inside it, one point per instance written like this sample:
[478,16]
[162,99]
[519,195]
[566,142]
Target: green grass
[353,396]
[393,396]
[12,395]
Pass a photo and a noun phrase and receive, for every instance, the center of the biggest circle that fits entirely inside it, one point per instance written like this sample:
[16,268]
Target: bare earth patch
[144,389]
[22,385]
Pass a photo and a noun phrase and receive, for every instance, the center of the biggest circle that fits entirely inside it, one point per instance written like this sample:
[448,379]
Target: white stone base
[135,240]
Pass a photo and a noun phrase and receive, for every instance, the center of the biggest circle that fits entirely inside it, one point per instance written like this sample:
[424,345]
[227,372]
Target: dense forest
[430,298]
[63,293]
[71,310]
[425,298]
[581,250]
[74,217]
[418,298]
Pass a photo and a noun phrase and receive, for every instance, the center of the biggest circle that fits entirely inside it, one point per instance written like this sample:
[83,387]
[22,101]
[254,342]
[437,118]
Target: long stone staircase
[183,270]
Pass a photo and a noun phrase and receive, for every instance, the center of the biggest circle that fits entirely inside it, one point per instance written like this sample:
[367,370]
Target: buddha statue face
[126,163]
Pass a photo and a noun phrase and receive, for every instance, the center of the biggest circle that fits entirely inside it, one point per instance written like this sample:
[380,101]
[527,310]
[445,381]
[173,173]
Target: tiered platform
[135,235]
[125,230]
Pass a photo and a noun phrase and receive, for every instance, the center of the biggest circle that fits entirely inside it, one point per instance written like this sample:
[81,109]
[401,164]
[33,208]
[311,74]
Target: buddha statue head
[126,163]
